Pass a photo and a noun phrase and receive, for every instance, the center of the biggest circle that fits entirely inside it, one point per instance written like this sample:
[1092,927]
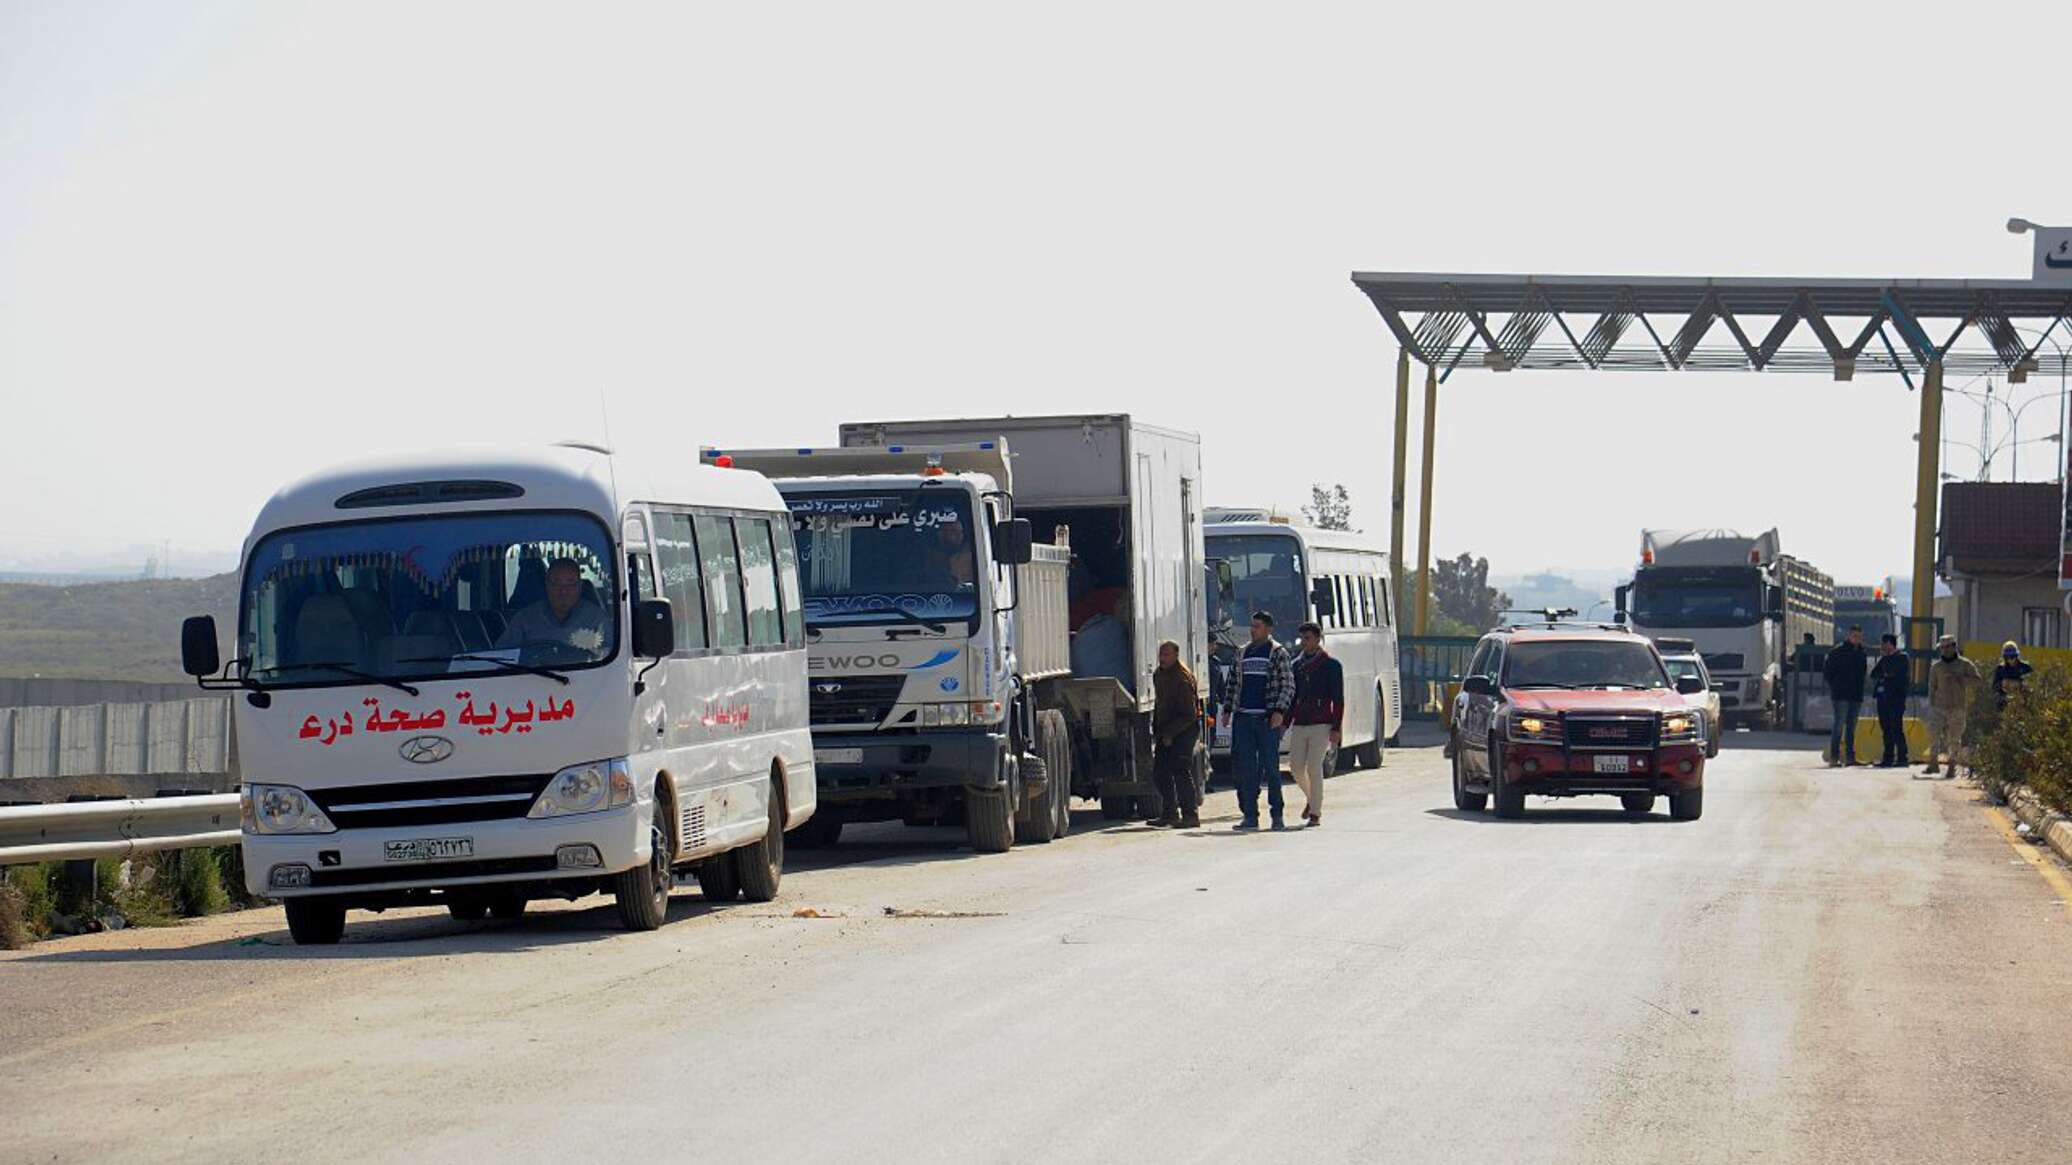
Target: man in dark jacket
[1316,719]
[1845,670]
[1176,722]
[1265,688]
[1891,678]
[2012,673]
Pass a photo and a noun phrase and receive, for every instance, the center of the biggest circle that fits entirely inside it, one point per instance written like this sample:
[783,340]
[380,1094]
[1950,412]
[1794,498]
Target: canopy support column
[1927,482]
[1424,502]
[1397,499]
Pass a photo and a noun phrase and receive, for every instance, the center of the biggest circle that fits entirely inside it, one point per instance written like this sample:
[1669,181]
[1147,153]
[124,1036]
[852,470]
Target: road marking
[2027,852]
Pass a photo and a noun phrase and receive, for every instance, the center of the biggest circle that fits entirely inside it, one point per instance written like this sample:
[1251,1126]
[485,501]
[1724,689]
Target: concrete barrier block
[35,746]
[128,741]
[208,736]
[165,749]
[6,743]
[80,752]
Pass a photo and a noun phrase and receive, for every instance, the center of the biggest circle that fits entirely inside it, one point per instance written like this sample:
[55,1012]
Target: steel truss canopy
[1656,324]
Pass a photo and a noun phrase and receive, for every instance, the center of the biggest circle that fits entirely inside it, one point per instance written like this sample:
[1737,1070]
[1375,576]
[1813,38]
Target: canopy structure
[1669,324]
[1918,328]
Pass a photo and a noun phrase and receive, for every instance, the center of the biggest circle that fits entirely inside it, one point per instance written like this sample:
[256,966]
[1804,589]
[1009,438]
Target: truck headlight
[1535,729]
[281,809]
[585,788]
[1681,727]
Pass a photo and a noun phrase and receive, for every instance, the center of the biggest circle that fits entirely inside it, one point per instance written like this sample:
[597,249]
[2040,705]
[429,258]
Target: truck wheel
[1638,802]
[1115,808]
[1509,798]
[759,868]
[643,891]
[821,831]
[717,878]
[1687,806]
[1463,800]
[1150,807]
[989,817]
[1037,819]
[315,922]
[1057,738]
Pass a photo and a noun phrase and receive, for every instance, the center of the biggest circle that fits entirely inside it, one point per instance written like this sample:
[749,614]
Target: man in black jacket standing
[1845,669]
[1891,677]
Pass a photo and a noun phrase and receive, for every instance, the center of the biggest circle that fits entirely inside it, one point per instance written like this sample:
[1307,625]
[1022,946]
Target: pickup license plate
[429,849]
[838,756]
[1612,764]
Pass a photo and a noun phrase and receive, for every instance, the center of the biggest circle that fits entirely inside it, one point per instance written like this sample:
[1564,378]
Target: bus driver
[566,616]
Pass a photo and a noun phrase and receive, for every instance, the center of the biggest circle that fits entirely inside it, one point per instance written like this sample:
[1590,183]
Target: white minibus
[478,679]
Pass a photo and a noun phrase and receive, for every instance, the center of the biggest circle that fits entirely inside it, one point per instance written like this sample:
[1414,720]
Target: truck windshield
[426,597]
[1268,575]
[868,557]
[1666,600]
[1582,663]
[1875,618]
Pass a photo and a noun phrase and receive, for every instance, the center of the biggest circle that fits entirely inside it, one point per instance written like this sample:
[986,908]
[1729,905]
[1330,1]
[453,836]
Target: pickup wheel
[1687,806]
[1509,798]
[1637,803]
[1463,800]
[315,922]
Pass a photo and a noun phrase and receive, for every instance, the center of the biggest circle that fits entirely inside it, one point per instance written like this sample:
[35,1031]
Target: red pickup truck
[1561,710]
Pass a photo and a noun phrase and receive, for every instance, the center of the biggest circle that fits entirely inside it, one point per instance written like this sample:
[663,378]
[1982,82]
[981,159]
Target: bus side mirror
[654,629]
[1322,599]
[198,655]
[1014,542]
[1690,686]
[1226,580]
[1619,604]
[1774,610]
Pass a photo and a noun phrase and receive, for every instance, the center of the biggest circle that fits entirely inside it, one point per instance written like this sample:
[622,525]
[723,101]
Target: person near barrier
[1953,685]
[2012,674]
[1891,677]
[1845,668]
[1265,689]
[1176,725]
[1316,720]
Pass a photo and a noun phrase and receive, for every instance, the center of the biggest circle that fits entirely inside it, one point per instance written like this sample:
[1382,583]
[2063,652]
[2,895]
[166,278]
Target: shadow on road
[1563,815]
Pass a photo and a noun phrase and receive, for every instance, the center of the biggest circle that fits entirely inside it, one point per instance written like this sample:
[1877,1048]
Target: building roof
[2000,527]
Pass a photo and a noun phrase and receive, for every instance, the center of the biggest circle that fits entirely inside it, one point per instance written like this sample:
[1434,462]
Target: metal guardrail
[115,829]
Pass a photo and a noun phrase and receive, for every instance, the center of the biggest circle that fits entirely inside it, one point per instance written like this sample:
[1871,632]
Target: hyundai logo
[425,750]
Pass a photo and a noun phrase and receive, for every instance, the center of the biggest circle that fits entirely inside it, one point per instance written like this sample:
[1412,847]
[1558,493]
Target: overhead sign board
[2053,256]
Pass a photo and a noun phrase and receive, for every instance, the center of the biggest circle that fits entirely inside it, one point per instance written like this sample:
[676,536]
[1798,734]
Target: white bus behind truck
[1125,498]
[482,679]
[937,642]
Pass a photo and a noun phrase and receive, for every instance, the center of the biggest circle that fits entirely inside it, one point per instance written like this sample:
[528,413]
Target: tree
[1329,508]
[1461,592]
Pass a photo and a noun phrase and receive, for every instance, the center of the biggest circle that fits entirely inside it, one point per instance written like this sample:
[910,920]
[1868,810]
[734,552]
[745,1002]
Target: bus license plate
[1613,764]
[429,849]
[838,756]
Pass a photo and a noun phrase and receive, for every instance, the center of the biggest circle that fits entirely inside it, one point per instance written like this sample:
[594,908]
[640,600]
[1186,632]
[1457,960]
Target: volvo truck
[1743,602]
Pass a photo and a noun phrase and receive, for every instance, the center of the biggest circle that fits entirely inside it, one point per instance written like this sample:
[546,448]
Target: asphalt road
[1830,966]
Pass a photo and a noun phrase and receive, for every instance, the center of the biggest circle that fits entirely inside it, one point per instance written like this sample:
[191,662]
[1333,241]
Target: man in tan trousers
[1953,685]
[1316,719]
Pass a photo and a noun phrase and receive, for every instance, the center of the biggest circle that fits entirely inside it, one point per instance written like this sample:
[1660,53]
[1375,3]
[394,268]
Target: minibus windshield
[425,597]
[885,556]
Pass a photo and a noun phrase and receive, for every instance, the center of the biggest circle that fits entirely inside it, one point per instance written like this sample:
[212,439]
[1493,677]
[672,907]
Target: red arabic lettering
[312,728]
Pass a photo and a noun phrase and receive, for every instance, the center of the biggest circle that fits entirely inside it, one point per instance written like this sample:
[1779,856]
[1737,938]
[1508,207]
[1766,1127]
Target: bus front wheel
[643,891]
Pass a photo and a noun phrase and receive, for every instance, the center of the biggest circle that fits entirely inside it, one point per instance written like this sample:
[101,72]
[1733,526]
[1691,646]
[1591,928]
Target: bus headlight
[585,788]
[281,809]
[1680,727]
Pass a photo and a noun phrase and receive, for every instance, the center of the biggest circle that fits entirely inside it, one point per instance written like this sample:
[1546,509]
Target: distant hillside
[114,631]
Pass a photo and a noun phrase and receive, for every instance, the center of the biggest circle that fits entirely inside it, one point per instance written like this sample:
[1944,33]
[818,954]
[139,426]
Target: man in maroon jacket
[1316,718]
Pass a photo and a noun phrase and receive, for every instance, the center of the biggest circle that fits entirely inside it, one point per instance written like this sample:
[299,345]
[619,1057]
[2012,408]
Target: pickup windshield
[1582,663]
[885,556]
[426,597]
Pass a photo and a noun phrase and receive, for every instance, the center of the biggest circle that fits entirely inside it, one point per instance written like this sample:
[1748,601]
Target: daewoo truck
[1744,603]
[984,601]
[483,678]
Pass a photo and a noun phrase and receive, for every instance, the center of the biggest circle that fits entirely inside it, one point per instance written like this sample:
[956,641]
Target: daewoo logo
[846,662]
[425,750]
[827,689]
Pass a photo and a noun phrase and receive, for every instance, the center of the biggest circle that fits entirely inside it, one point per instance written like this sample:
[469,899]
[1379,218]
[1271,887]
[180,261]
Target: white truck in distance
[1744,603]
[936,630]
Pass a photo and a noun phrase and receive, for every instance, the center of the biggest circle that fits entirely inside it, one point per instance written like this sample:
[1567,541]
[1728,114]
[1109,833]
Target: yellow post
[1402,467]
[1424,503]
[1927,480]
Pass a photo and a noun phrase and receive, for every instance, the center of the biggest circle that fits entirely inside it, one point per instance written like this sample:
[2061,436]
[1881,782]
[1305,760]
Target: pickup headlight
[1682,727]
[585,788]
[281,809]
[1534,729]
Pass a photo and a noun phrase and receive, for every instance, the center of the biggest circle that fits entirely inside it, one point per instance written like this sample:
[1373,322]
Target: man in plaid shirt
[1265,683]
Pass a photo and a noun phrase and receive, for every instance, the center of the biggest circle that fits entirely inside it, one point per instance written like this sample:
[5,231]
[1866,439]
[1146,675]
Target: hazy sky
[238,241]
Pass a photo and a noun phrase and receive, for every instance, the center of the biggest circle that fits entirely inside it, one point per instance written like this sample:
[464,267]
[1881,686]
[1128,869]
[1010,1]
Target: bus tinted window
[679,566]
[722,574]
[788,586]
[759,581]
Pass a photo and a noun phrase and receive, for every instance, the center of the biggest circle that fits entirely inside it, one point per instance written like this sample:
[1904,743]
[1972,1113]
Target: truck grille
[1626,732]
[1723,661]
[834,701]
[444,802]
